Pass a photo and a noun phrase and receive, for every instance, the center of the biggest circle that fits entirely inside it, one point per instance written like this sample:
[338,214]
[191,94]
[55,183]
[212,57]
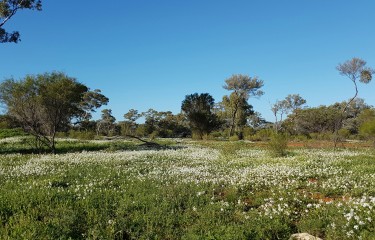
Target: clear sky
[150,54]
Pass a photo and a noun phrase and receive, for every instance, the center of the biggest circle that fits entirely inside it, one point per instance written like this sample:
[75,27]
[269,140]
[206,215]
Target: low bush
[262,135]
[278,145]
[234,138]
[85,135]
[14,132]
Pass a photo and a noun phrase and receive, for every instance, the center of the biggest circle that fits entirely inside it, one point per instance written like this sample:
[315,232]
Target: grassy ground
[189,190]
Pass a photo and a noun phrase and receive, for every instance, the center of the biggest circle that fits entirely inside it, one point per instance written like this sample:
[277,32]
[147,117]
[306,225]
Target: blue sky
[150,54]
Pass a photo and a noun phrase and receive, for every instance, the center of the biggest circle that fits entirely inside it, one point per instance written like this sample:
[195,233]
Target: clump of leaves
[278,145]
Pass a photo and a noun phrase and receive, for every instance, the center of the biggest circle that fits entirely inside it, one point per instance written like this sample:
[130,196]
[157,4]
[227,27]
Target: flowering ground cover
[192,190]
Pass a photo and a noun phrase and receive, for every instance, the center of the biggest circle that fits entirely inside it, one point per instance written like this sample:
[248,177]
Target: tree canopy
[8,8]
[198,109]
[46,103]
[355,69]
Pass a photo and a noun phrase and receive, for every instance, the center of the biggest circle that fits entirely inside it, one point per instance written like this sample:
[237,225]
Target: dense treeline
[54,104]
[302,123]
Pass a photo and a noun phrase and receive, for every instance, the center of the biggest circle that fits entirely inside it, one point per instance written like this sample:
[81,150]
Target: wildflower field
[186,190]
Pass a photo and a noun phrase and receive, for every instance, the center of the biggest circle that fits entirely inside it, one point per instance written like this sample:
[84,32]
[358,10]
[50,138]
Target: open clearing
[191,190]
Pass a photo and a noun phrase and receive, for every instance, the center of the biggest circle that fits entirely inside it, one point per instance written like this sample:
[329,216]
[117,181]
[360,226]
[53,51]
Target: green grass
[192,190]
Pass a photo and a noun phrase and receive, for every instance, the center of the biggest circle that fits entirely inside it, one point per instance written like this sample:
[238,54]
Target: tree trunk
[338,124]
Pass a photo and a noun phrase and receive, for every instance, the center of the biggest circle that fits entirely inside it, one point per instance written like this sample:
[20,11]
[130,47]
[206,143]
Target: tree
[236,104]
[44,104]
[106,125]
[132,115]
[129,126]
[291,103]
[8,8]
[92,100]
[350,119]
[294,102]
[237,111]
[7,121]
[315,120]
[256,121]
[166,124]
[152,118]
[198,109]
[279,109]
[356,70]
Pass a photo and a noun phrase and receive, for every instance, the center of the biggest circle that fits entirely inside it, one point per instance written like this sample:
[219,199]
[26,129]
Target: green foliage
[367,129]
[141,131]
[165,124]
[248,132]
[315,120]
[216,135]
[245,85]
[280,109]
[355,69]
[344,133]
[8,9]
[82,135]
[278,144]
[322,135]
[153,135]
[366,120]
[234,138]
[262,135]
[198,110]
[301,138]
[237,111]
[106,125]
[45,104]
[236,108]
[14,132]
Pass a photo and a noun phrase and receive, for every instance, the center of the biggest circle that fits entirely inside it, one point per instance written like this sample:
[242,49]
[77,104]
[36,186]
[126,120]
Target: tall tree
[236,104]
[8,8]
[237,111]
[44,104]
[356,70]
[106,125]
[198,109]
[279,109]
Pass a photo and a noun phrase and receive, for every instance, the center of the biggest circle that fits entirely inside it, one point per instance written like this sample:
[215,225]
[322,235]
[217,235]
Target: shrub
[301,138]
[322,136]
[234,138]
[344,134]
[82,135]
[14,132]
[278,145]
[262,135]
[248,132]
[367,130]
[216,134]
